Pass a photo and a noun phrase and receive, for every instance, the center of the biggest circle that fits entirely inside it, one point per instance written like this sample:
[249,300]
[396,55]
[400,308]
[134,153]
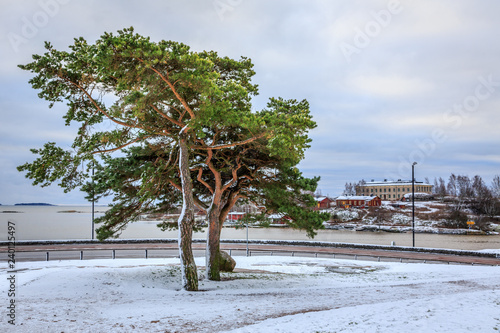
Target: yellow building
[393,190]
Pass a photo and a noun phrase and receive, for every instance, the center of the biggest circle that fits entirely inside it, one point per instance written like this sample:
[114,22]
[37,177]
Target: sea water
[75,222]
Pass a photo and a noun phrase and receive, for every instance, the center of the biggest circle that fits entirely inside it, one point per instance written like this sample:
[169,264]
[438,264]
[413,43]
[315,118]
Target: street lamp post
[247,230]
[413,201]
[247,240]
[93,199]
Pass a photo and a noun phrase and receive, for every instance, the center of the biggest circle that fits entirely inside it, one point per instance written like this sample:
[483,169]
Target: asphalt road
[40,252]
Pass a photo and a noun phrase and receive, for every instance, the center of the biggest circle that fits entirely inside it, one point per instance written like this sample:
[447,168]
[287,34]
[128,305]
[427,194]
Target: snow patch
[264,294]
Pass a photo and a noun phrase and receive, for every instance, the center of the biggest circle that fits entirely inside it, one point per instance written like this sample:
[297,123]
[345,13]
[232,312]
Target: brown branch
[200,204]
[235,175]
[233,198]
[173,107]
[120,147]
[172,88]
[215,136]
[93,101]
[172,120]
[247,177]
[177,186]
[217,177]
[200,173]
[230,145]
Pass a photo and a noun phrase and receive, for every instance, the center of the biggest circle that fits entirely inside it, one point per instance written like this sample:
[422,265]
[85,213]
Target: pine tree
[180,129]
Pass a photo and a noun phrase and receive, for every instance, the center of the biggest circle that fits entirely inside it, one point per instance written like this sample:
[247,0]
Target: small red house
[323,202]
[278,218]
[358,201]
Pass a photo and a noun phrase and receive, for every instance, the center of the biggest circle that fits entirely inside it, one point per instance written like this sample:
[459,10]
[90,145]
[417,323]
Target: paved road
[158,250]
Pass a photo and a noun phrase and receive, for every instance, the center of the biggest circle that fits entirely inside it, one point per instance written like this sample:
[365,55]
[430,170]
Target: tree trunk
[217,214]
[213,243]
[186,221]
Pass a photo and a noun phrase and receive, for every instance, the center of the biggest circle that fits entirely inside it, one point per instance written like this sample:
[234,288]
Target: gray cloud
[382,78]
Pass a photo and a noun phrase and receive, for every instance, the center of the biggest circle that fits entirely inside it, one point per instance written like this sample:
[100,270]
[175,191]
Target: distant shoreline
[33,204]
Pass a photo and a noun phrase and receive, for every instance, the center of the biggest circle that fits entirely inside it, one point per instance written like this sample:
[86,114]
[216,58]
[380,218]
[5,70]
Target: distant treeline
[463,187]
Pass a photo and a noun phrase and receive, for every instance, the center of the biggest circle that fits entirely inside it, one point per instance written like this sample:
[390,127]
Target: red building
[235,216]
[323,202]
[358,201]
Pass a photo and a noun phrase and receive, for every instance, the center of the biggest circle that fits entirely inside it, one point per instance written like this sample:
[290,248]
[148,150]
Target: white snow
[497,251]
[267,294]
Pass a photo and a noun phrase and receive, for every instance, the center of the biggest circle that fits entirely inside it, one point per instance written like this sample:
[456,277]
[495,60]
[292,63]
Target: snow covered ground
[267,294]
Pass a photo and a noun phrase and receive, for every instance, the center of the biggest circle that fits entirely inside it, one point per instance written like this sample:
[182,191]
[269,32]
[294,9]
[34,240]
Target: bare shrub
[456,219]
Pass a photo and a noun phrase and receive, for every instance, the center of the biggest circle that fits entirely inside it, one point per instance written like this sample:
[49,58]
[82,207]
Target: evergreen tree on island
[163,125]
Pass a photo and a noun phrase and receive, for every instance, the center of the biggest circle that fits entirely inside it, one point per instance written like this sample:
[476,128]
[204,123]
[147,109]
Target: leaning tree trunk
[213,243]
[186,221]
[217,214]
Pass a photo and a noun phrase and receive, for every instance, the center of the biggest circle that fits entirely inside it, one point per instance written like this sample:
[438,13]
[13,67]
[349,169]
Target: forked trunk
[213,244]
[186,221]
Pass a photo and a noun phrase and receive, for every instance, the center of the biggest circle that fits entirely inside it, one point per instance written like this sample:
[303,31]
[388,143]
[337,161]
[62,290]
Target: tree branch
[200,173]
[120,147]
[235,175]
[172,88]
[172,120]
[93,101]
[229,145]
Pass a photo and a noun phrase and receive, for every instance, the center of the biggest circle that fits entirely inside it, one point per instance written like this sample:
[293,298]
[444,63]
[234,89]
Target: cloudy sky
[389,82]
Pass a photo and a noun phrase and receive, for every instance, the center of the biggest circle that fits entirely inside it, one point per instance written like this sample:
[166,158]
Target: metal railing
[74,254]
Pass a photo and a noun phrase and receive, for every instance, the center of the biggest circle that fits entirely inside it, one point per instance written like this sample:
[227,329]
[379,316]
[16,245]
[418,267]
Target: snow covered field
[267,294]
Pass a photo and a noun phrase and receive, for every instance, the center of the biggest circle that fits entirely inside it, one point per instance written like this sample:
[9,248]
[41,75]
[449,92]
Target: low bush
[456,219]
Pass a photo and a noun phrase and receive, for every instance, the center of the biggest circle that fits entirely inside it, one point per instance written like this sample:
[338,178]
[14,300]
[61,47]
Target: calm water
[74,222]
